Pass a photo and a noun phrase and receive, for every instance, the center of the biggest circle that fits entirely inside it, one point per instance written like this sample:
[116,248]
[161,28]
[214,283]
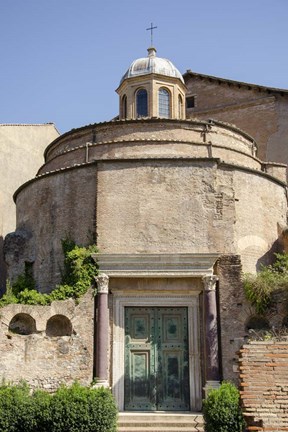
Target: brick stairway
[160,422]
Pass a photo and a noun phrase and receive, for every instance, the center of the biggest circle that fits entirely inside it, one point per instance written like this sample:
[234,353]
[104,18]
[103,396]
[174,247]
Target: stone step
[160,422]
[158,429]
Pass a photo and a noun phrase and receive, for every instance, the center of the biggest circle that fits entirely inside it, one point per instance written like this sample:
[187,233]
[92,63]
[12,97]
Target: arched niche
[22,324]
[58,325]
[257,322]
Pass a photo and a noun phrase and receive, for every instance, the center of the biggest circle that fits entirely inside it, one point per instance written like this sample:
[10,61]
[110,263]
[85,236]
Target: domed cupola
[152,87]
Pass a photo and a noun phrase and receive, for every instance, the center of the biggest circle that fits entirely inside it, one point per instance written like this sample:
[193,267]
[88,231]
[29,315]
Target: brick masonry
[260,111]
[264,383]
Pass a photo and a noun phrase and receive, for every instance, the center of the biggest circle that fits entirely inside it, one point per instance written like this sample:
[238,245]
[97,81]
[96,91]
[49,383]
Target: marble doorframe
[191,301]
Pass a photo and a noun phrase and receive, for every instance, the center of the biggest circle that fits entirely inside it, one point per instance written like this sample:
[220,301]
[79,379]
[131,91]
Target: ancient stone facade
[113,186]
[178,209]
[48,345]
[22,148]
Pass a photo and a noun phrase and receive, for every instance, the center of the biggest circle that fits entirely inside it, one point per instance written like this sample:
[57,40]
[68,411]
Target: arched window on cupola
[141,103]
[124,107]
[180,107]
[164,103]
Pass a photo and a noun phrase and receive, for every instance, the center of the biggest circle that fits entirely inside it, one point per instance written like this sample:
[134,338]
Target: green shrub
[82,409]
[78,275]
[221,409]
[16,412]
[9,297]
[70,409]
[79,271]
[41,409]
[260,287]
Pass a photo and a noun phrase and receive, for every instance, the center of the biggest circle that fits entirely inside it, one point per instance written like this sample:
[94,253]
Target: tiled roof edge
[233,82]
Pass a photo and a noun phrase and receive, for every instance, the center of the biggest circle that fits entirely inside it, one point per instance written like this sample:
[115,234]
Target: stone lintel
[156,265]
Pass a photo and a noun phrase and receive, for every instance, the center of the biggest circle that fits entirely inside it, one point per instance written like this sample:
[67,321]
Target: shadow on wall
[25,324]
[269,257]
[3,269]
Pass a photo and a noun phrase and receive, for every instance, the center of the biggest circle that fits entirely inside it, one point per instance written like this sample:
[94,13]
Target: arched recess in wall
[58,325]
[22,324]
[164,102]
[256,322]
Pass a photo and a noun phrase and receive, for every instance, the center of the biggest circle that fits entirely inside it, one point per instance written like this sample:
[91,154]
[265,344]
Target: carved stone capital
[210,282]
[102,281]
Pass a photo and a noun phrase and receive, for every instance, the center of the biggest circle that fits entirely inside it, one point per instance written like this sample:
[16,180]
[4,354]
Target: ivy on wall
[77,277]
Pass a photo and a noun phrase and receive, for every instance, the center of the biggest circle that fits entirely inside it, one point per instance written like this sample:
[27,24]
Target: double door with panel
[156,359]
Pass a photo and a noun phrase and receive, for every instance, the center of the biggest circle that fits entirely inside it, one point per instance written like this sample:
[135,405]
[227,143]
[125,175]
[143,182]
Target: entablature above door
[156,265]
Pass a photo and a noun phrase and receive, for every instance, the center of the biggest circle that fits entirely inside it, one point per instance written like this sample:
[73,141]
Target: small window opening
[142,103]
[164,103]
[190,102]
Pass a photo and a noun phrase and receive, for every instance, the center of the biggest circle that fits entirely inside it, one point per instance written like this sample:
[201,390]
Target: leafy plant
[221,410]
[70,409]
[15,409]
[9,297]
[78,275]
[82,409]
[79,270]
[260,287]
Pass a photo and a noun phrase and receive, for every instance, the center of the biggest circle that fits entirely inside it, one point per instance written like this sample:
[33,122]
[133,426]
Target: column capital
[210,282]
[102,281]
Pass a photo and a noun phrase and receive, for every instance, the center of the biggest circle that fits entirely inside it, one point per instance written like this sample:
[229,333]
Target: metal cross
[151,29]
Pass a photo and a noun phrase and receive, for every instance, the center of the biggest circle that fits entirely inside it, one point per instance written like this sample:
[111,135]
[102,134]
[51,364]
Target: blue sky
[61,60]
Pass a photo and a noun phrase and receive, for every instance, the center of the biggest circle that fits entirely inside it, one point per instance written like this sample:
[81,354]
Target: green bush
[78,275]
[16,412]
[79,271]
[221,409]
[70,409]
[259,288]
[81,409]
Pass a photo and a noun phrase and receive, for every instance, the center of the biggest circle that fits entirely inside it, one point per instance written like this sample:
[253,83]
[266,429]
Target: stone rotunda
[178,208]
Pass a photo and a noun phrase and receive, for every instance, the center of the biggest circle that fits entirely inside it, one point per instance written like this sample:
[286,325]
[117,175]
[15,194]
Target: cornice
[156,265]
[190,74]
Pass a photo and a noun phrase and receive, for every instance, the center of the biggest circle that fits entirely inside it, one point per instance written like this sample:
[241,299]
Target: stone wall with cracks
[45,356]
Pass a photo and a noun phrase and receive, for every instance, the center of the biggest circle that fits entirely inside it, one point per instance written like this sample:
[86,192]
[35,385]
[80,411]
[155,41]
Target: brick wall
[264,383]
[259,111]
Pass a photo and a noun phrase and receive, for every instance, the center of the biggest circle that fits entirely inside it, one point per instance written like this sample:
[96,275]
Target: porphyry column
[102,334]
[212,372]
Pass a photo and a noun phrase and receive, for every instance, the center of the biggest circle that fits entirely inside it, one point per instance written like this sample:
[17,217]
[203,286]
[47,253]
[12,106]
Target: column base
[101,383]
[210,385]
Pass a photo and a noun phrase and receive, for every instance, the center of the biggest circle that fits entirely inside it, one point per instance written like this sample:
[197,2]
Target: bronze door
[156,359]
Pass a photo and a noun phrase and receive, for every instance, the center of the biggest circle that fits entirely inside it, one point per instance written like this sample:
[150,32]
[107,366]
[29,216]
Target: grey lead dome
[152,64]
